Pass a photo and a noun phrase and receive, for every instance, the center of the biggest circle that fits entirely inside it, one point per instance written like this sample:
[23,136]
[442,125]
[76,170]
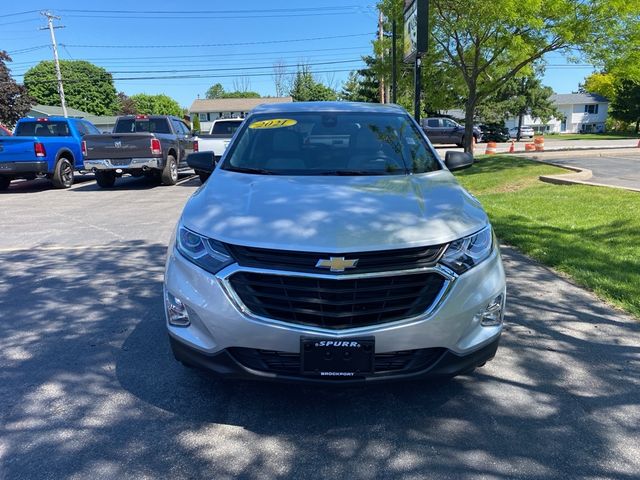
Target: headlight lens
[467,252]
[204,252]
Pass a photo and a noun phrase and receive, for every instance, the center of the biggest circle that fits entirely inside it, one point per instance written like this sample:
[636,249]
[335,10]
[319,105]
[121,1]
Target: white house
[209,110]
[581,113]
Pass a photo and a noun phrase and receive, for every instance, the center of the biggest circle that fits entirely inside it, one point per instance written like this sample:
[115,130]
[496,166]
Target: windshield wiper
[259,171]
[352,172]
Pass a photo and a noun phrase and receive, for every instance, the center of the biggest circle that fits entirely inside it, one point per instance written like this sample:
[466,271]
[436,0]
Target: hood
[333,213]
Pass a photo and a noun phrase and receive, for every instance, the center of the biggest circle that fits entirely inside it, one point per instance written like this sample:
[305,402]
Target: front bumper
[124,164]
[219,325]
[17,168]
[227,364]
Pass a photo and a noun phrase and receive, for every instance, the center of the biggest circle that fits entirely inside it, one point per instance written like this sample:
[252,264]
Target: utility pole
[51,28]
[380,37]
[394,66]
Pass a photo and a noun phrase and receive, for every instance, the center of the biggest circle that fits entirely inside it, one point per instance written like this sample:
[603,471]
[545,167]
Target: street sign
[416,25]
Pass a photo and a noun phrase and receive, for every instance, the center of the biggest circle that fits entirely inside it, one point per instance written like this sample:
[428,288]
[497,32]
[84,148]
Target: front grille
[287,363]
[340,303]
[377,261]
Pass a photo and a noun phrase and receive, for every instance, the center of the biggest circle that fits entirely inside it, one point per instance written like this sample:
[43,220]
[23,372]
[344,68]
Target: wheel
[204,176]
[106,179]
[170,171]
[62,174]
[4,182]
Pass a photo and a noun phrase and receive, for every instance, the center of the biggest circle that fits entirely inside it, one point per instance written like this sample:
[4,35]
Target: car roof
[356,107]
[52,118]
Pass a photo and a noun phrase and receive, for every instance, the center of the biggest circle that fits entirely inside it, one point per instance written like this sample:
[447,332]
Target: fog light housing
[493,315]
[176,311]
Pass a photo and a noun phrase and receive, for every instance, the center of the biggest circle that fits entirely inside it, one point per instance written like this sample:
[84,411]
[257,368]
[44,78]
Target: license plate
[346,358]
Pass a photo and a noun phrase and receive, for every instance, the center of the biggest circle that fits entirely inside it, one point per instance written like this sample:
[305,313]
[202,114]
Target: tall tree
[87,87]
[14,100]
[626,105]
[600,83]
[215,91]
[487,43]
[519,97]
[306,88]
[156,105]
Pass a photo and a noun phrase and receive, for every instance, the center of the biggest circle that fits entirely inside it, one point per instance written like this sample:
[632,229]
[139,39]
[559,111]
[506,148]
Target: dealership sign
[416,25]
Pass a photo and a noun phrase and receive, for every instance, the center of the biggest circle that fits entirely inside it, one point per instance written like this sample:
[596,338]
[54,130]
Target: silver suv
[332,244]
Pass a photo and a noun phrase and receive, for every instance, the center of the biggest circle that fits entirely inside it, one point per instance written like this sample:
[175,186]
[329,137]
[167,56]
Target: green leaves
[156,105]
[87,87]
[305,88]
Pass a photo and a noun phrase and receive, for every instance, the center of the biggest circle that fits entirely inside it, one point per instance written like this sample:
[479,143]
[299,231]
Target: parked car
[140,145]
[4,131]
[49,147]
[332,244]
[212,146]
[525,132]
[445,131]
[494,133]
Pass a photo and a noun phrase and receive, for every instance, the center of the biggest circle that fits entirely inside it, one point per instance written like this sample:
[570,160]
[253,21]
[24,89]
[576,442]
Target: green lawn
[593,136]
[590,233]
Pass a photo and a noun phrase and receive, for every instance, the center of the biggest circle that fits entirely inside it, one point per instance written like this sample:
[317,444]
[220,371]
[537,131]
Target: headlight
[204,252]
[467,252]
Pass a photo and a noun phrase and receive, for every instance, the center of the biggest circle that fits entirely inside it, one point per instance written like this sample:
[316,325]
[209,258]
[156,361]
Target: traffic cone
[638,143]
[491,148]
[512,148]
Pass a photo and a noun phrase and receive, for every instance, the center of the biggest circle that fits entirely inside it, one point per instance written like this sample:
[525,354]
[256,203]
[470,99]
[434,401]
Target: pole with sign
[416,42]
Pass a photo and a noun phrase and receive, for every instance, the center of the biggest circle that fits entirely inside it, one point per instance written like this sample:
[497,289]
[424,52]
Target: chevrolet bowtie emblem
[337,264]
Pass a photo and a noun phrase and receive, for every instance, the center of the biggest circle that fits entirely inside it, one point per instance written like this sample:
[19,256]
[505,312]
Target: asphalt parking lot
[89,388]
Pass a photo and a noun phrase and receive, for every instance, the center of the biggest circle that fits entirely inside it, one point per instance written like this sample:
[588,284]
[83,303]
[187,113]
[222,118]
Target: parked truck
[155,146]
[213,145]
[44,147]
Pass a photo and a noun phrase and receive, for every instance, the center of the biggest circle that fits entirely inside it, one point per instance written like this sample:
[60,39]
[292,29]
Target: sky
[209,41]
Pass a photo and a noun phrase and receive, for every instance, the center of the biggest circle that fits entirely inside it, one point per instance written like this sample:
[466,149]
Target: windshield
[136,125]
[225,127]
[42,128]
[332,143]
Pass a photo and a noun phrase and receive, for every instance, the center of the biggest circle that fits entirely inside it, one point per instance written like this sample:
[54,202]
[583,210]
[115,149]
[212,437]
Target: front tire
[105,179]
[62,174]
[4,183]
[170,171]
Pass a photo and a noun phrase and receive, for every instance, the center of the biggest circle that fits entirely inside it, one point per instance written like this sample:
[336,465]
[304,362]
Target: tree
[196,122]
[14,100]
[279,78]
[126,106]
[156,105]
[218,91]
[601,84]
[87,87]
[626,105]
[306,89]
[486,44]
[517,98]
[215,91]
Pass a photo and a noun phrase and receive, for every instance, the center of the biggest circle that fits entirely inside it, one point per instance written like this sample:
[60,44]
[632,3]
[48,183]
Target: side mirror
[202,161]
[458,160]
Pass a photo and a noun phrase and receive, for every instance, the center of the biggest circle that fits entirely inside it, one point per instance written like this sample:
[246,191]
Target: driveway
[620,169]
[551,144]
[89,389]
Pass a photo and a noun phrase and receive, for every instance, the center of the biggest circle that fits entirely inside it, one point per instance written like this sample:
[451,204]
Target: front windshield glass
[330,143]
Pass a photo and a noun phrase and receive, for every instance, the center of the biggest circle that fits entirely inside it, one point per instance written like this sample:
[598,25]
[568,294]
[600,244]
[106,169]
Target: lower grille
[287,363]
[120,162]
[339,303]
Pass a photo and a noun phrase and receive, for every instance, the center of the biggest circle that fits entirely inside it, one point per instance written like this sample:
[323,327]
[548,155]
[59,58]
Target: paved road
[620,169]
[89,390]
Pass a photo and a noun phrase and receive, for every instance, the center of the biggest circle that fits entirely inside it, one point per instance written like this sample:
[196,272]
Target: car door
[184,143]
[432,129]
[450,132]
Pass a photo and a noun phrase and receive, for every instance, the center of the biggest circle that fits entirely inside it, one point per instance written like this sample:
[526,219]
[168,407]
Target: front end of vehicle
[247,312]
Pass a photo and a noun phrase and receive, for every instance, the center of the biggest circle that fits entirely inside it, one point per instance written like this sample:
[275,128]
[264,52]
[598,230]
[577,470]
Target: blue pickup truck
[49,147]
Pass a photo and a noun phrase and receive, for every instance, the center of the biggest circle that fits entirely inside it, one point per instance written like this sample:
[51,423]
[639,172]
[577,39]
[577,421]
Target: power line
[174,12]
[209,55]
[18,13]
[239,44]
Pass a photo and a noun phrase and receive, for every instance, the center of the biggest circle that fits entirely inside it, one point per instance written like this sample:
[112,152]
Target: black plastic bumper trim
[12,168]
[224,365]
